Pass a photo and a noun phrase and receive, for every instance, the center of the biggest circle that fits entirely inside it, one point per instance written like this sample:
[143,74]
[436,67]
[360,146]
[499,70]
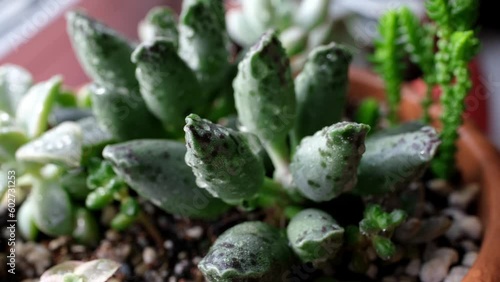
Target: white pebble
[469,246]
[440,186]
[457,274]
[469,258]
[471,227]
[194,232]
[149,255]
[413,268]
[462,198]
[372,271]
[434,270]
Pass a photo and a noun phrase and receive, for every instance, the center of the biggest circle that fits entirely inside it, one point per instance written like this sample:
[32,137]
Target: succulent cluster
[447,67]
[148,124]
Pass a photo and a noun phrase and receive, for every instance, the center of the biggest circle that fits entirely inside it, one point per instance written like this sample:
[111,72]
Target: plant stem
[279,154]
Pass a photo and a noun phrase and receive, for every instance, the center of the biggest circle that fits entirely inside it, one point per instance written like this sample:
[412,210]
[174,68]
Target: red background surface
[49,52]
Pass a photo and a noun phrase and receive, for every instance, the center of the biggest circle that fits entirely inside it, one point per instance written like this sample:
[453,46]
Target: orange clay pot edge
[477,159]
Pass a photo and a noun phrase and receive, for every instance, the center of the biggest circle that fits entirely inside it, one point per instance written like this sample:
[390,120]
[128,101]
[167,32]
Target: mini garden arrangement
[184,160]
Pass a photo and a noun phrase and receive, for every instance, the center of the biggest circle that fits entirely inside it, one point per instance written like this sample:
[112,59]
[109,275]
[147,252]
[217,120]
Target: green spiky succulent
[148,125]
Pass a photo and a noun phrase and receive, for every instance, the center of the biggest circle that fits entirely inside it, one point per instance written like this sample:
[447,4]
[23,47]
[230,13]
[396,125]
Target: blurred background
[33,35]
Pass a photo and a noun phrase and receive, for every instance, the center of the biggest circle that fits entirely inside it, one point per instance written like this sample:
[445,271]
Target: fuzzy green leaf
[103,53]
[157,171]
[86,228]
[59,145]
[250,251]
[222,160]
[53,210]
[168,86]
[264,91]
[394,159]
[314,235]
[124,114]
[322,86]
[325,164]
[34,108]
[26,219]
[203,41]
[160,22]
[14,84]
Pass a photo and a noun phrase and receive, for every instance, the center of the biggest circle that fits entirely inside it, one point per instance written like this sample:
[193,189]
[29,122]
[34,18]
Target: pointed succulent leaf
[14,84]
[26,219]
[392,160]
[53,210]
[264,91]
[250,251]
[322,86]
[160,22]
[264,14]
[314,235]
[11,137]
[103,53]
[325,164]
[239,29]
[294,40]
[168,86]
[222,160]
[157,171]
[203,41]
[86,228]
[123,113]
[312,13]
[34,108]
[59,145]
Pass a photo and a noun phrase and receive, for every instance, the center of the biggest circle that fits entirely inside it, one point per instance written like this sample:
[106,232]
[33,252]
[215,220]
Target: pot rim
[477,159]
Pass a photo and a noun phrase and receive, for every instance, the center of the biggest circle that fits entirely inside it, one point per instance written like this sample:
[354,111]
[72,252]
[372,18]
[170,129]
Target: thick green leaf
[321,89]
[26,219]
[157,171]
[314,235]
[103,53]
[325,164]
[53,210]
[99,270]
[86,228]
[11,137]
[168,86]
[222,160]
[123,113]
[60,145]
[250,251]
[160,22]
[393,159]
[14,84]
[34,108]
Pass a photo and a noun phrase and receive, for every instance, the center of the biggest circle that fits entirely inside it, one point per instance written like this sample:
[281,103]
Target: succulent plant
[99,270]
[137,128]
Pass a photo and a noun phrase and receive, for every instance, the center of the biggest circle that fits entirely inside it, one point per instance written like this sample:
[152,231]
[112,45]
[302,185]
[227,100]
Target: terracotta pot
[477,159]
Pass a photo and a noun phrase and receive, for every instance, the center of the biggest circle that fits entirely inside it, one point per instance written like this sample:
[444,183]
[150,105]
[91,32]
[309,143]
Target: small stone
[140,269]
[469,246]
[463,197]
[196,260]
[413,268]
[434,270]
[182,255]
[149,256]
[168,244]
[57,243]
[371,254]
[194,232]
[107,215]
[372,271]
[469,259]
[447,254]
[471,227]
[112,235]
[389,279]
[440,186]
[180,267]
[78,248]
[457,274]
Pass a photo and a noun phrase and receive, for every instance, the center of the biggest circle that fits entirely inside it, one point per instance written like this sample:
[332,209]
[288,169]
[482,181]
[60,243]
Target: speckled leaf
[26,219]
[203,41]
[14,84]
[124,114]
[53,211]
[59,145]
[95,137]
[160,22]
[103,53]
[264,91]
[326,163]
[250,251]
[11,137]
[393,159]
[222,160]
[168,86]
[34,108]
[157,171]
[314,235]
[322,86]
